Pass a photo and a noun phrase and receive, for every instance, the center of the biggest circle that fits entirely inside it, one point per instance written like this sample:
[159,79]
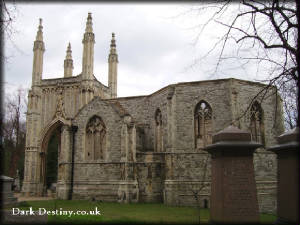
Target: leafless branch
[266,35]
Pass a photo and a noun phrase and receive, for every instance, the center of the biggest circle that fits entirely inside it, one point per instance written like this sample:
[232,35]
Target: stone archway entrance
[49,158]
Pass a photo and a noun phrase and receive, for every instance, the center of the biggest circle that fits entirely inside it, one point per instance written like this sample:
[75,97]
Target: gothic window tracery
[158,131]
[256,123]
[95,138]
[203,124]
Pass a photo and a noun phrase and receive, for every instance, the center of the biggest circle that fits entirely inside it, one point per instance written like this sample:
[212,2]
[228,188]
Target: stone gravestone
[233,187]
[287,152]
[7,194]
[17,183]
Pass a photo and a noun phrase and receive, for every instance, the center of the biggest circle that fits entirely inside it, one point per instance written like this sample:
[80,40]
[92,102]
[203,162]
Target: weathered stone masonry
[141,148]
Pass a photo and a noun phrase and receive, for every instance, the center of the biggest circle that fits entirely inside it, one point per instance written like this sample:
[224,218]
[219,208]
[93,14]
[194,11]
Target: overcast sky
[154,44]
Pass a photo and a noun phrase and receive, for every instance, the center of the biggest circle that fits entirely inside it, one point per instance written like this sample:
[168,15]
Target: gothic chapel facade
[141,148]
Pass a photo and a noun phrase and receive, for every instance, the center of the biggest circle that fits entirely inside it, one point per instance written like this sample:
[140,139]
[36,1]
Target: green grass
[267,218]
[128,213]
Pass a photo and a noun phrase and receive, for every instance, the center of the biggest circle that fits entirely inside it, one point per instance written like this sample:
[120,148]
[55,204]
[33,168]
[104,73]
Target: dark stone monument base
[7,195]
[8,199]
[281,221]
[233,187]
[8,218]
[287,152]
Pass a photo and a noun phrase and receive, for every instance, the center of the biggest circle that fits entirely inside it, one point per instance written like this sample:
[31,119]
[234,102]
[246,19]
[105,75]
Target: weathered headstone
[287,152]
[7,194]
[17,186]
[233,187]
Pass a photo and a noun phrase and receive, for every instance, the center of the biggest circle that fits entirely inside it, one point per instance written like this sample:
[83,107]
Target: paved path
[30,198]
[8,218]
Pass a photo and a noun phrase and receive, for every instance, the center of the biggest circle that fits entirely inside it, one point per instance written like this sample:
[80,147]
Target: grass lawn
[129,213]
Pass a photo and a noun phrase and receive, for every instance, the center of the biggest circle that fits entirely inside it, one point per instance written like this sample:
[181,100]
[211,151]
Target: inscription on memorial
[234,197]
[240,187]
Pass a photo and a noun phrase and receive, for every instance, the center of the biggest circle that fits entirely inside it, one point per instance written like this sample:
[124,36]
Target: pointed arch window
[158,131]
[256,123]
[95,138]
[203,124]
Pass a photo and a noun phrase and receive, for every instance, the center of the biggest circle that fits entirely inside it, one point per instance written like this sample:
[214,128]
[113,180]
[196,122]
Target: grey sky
[153,44]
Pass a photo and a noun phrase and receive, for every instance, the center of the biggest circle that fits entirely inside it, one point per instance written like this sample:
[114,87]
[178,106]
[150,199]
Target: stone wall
[265,163]
[98,179]
[75,94]
[112,121]
[133,167]
[228,98]
[143,109]
[150,176]
[50,102]
[187,95]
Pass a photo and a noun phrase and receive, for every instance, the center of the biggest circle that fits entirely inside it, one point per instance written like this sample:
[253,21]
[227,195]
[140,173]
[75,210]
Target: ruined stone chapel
[140,148]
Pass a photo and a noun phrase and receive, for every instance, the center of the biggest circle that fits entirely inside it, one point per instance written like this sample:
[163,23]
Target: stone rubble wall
[173,175]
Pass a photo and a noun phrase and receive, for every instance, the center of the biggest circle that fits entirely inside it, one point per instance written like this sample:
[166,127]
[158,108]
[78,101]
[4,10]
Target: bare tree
[263,34]
[8,18]
[289,94]
[8,15]
[257,33]
[12,122]
[197,188]
[14,131]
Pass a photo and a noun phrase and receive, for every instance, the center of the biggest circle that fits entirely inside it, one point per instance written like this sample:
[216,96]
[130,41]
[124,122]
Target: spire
[113,67]
[39,35]
[113,50]
[88,35]
[69,52]
[113,42]
[68,63]
[88,50]
[89,24]
[38,52]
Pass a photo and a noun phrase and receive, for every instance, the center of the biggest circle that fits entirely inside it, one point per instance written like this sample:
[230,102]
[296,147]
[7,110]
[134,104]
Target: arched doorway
[205,204]
[50,152]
